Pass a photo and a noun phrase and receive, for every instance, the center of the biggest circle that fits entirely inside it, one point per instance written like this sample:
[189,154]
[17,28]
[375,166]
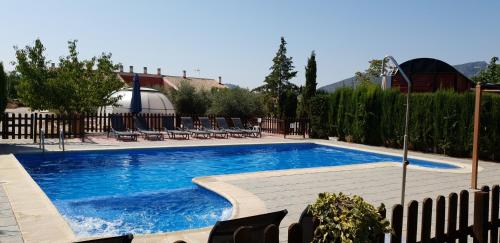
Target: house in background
[430,75]
[168,81]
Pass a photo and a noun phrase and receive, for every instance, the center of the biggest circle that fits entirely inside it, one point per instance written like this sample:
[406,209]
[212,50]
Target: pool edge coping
[215,183]
[37,217]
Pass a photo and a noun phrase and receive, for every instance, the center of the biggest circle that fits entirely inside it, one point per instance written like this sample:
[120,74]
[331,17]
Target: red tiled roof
[147,80]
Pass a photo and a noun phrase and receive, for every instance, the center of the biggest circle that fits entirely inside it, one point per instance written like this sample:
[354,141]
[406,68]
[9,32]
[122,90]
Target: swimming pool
[150,190]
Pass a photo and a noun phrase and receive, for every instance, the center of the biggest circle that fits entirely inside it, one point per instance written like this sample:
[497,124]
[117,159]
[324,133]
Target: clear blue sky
[238,39]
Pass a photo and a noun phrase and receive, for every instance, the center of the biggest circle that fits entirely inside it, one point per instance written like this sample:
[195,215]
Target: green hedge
[440,122]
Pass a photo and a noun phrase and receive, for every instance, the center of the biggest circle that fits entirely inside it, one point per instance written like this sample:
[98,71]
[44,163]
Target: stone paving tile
[11,239]
[9,230]
[376,185]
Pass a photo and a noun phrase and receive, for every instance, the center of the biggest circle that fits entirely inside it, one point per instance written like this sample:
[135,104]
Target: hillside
[469,69]
[232,86]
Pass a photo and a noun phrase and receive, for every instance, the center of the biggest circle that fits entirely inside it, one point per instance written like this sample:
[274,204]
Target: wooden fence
[28,126]
[450,224]
[287,126]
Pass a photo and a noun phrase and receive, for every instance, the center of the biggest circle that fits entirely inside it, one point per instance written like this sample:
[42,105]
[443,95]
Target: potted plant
[342,219]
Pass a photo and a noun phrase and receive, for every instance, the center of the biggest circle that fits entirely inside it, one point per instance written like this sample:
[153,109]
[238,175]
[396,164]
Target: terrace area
[250,193]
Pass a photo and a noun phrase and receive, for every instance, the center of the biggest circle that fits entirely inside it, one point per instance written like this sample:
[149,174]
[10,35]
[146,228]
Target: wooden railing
[286,126]
[28,126]
[450,223]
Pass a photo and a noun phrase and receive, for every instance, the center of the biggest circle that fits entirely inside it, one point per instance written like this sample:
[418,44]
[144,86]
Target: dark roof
[490,86]
[430,66]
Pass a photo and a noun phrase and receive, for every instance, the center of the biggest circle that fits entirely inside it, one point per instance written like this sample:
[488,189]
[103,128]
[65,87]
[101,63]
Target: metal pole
[42,140]
[61,139]
[405,147]
[405,161]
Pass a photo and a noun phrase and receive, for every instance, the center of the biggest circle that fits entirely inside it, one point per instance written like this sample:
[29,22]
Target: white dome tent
[153,101]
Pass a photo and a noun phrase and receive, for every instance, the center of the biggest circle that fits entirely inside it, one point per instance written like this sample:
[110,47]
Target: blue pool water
[150,190]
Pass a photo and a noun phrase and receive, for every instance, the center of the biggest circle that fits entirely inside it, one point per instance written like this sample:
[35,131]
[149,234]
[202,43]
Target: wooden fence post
[18,125]
[425,232]
[463,222]
[480,227]
[33,126]
[475,140]
[285,126]
[82,132]
[397,223]
[440,218]
[412,221]
[495,204]
[452,217]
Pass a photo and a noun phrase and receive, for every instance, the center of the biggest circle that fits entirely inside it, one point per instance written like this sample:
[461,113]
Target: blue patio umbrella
[135,103]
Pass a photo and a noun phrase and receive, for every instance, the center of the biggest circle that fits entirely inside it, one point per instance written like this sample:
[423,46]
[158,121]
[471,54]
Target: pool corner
[37,217]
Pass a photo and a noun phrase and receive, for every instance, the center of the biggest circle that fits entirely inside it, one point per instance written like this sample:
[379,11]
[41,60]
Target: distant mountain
[232,86]
[469,69]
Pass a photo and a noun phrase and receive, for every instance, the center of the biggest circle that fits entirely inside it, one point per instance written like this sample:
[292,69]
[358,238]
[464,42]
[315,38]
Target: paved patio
[377,184]
[9,231]
[293,190]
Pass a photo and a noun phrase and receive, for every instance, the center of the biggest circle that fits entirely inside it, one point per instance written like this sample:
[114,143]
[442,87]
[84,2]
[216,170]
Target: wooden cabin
[430,75]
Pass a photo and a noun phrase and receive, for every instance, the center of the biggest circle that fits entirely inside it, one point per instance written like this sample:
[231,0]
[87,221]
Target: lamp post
[388,70]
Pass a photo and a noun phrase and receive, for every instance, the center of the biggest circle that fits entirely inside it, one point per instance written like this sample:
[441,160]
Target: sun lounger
[172,132]
[207,126]
[223,231]
[222,124]
[117,239]
[118,129]
[250,132]
[187,123]
[142,126]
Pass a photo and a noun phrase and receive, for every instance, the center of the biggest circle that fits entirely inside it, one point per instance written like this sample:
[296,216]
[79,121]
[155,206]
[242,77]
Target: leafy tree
[188,100]
[278,81]
[75,86]
[34,90]
[288,104]
[12,83]
[237,102]
[309,90]
[491,74]
[3,90]
[371,73]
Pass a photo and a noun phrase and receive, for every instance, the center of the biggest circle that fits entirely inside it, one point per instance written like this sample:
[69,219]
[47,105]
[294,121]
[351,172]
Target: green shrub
[440,122]
[237,102]
[188,100]
[3,91]
[346,219]
[319,122]
[344,114]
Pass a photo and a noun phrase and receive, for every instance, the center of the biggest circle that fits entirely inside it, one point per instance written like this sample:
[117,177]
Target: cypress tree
[3,90]
[310,88]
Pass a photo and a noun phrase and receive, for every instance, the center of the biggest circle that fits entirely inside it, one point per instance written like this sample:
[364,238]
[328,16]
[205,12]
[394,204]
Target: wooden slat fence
[28,126]
[450,223]
[296,126]
[272,125]
[286,126]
